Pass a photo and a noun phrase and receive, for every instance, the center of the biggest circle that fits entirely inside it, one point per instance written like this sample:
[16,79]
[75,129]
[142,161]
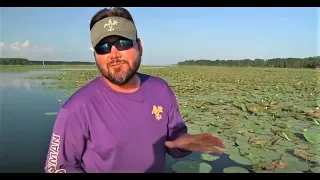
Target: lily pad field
[268,118]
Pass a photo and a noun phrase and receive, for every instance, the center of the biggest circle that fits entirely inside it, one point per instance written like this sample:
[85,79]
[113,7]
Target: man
[122,121]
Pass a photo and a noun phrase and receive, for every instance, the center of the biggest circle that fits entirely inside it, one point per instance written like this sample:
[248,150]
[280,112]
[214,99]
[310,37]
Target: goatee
[120,79]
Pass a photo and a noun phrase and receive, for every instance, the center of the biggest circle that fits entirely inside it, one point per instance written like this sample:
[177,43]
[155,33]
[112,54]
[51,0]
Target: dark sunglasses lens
[103,49]
[121,45]
[124,44]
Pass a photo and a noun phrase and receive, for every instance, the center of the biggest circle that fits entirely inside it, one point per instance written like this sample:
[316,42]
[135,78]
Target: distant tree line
[23,61]
[308,62]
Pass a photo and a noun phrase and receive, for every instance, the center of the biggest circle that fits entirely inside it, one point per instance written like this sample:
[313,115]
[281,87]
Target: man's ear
[94,55]
[140,46]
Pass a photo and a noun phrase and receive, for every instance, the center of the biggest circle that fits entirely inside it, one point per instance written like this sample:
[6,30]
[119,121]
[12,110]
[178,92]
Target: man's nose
[114,54]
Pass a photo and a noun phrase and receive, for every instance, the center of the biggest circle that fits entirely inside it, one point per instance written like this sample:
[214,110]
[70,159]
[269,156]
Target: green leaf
[270,155]
[292,171]
[286,143]
[208,157]
[289,159]
[243,138]
[256,151]
[318,102]
[50,113]
[313,150]
[302,146]
[315,170]
[298,166]
[243,107]
[315,158]
[279,170]
[189,166]
[312,136]
[265,172]
[235,169]
[231,150]
[242,143]
[240,159]
[212,129]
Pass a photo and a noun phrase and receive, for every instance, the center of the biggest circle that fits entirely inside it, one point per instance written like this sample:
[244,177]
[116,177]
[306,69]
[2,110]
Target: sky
[169,35]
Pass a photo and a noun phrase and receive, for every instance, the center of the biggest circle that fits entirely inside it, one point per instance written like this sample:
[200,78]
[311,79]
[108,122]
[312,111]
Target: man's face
[118,65]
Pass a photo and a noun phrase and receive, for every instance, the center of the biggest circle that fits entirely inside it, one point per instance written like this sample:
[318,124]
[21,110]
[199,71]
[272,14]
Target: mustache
[116,61]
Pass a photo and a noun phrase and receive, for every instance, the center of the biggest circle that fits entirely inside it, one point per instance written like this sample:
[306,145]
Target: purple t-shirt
[100,130]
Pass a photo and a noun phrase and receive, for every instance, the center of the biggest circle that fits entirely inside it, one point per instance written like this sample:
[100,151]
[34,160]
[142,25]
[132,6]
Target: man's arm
[176,126]
[66,144]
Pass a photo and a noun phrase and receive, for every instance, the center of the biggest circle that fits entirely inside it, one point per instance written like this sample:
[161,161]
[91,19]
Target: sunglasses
[121,45]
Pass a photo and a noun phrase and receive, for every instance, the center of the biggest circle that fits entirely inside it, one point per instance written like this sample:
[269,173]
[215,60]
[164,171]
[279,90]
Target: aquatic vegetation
[51,113]
[191,167]
[21,68]
[235,169]
[268,118]
[312,136]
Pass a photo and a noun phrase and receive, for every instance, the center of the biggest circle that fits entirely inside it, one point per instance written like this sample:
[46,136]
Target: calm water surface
[25,130]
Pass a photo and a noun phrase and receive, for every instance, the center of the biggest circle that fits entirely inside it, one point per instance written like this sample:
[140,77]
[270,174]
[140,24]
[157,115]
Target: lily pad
[50,113]
[286,143]
[302,146]
[243,138]
[313,150]
[256,151]
[189,166]
[312,136]
[231,150]
[292,171]
[240,159]
[230,132]
[315,170]
[235,169]
[315,158]
[265,172]
[289,159]
[211,129]
[194,130]
[208,157]
[282,170]
[298,166]
[242,143]
[278,170]
[270,155]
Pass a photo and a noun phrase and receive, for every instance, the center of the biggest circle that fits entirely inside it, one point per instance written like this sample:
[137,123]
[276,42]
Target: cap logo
[110,24]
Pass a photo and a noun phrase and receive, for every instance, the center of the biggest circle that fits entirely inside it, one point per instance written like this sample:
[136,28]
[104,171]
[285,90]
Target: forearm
[178,153]
[176,127]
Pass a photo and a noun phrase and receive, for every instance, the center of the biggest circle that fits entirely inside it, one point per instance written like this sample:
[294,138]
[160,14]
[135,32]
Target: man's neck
[132,86]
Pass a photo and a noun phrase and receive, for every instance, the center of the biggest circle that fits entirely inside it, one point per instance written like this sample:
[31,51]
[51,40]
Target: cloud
[25,50]
[91,49]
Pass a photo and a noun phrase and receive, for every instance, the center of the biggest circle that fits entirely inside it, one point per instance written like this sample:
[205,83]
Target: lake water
[25,130]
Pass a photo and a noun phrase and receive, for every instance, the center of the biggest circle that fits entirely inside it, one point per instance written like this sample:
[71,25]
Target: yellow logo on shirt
[157,110]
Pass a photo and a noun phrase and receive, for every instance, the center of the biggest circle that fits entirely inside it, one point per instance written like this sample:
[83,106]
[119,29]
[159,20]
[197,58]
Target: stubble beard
[117,77]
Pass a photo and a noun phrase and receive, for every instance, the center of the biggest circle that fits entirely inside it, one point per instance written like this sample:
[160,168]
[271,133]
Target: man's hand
[199,142]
